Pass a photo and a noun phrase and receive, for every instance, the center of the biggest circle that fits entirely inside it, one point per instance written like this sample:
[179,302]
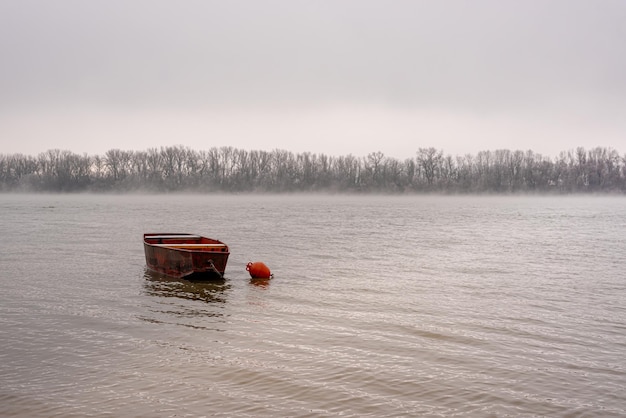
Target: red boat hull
[188,256]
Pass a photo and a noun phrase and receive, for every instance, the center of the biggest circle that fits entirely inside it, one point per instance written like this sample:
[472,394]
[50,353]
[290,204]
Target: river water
[379,307]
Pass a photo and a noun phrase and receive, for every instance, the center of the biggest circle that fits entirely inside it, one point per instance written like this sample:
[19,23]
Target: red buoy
[258,270]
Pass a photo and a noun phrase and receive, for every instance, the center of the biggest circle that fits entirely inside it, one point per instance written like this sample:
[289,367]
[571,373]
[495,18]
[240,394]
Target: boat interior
[186,242]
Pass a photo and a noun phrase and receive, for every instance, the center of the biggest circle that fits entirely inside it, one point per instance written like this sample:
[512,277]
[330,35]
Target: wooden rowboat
[186,256]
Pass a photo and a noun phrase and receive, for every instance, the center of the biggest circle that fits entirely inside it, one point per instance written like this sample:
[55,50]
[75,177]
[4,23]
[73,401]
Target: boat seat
[191,245]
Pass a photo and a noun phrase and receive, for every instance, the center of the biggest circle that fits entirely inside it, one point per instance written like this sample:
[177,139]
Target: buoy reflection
[262,283]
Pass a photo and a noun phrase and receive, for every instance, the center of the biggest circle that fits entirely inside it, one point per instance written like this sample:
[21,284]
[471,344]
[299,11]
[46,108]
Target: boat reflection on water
[157,284]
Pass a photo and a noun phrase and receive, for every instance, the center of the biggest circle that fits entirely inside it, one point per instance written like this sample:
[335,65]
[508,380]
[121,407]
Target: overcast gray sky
[338,77]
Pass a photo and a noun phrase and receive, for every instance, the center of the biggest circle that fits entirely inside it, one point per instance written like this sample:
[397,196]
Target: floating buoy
[258,270]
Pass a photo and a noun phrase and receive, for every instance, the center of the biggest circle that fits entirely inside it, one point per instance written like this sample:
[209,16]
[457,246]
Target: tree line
[228,169]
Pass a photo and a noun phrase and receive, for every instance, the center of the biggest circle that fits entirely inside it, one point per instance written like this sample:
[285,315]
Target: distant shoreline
[230,170]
